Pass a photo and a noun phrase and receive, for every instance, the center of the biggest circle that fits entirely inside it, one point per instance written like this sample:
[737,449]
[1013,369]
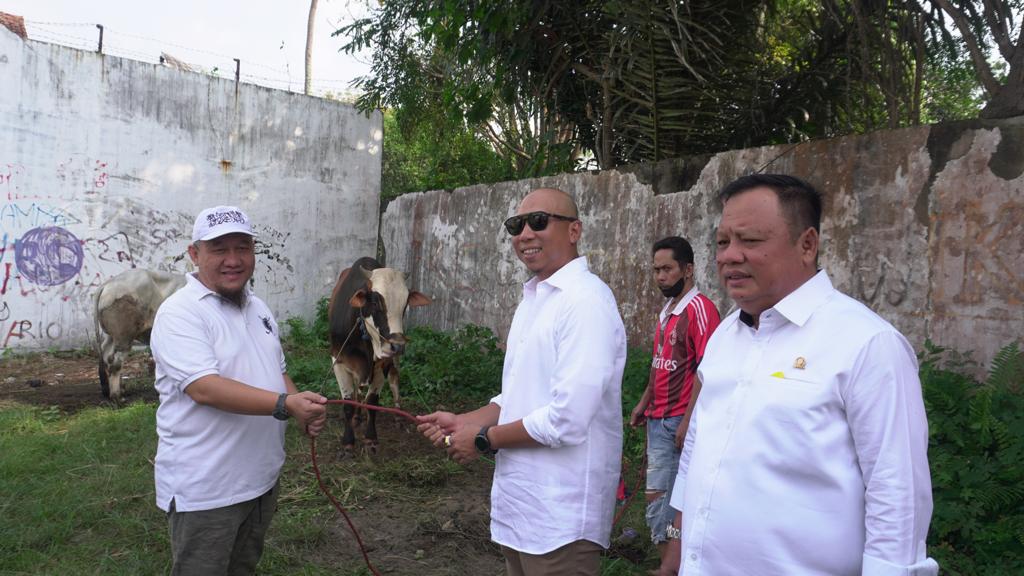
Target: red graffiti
[100,171]
[19,329]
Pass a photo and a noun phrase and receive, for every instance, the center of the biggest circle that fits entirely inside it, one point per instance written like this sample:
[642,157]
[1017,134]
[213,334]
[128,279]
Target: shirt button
[693,557]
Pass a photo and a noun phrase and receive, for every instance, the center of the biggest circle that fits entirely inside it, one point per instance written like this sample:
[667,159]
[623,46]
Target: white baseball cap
[220,220]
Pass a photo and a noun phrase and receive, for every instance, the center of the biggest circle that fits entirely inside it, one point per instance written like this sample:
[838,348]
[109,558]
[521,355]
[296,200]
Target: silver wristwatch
[673,533]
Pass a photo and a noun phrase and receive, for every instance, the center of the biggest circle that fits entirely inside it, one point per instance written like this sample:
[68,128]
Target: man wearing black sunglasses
[556,427]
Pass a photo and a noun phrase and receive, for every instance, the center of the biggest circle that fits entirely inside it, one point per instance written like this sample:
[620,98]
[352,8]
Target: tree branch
[984,71]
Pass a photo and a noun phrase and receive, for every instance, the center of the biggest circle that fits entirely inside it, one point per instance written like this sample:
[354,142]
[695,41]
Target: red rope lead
[323,487]
[401,413]
[351,526]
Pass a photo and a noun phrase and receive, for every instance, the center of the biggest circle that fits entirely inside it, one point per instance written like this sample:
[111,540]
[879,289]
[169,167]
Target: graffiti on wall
[51,261]
[57,248]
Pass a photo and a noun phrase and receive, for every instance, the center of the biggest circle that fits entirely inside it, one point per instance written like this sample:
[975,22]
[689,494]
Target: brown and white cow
[125,307]
[366,312]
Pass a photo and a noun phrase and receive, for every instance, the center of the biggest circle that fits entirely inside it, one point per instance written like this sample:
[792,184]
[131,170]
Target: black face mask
[673,290]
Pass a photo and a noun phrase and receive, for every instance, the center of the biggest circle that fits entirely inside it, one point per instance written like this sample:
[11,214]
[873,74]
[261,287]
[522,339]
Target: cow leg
[373,399]
[346,382]
[392,373]
[106,353]
[114,368]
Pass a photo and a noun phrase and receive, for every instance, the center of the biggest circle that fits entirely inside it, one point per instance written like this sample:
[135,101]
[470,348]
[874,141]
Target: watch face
[481,443]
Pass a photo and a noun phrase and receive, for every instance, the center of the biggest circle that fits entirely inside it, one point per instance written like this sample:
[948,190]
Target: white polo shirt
[807,454]
[563,379]
[208,458]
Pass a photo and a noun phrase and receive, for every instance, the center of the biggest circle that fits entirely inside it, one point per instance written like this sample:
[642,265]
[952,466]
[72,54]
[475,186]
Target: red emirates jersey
[679,341]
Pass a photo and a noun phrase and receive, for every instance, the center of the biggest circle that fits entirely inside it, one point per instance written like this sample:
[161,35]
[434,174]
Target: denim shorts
[662,465]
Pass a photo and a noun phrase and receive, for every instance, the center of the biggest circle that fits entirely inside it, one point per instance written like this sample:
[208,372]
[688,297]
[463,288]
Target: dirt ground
[69,380]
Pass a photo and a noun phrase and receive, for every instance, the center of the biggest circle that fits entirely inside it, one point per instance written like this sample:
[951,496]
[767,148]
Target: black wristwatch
[483,445]
[280,412]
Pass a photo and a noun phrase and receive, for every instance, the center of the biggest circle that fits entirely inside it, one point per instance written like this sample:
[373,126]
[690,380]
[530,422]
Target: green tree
[435,155]
[596,83]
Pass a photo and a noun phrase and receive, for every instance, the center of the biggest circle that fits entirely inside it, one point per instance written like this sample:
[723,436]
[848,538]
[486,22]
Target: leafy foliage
[557,85]
[452,369]
[976,453]
[442,154]
[307,352]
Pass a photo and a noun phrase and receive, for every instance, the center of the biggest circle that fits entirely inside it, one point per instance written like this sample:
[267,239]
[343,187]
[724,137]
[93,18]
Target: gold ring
[447,440]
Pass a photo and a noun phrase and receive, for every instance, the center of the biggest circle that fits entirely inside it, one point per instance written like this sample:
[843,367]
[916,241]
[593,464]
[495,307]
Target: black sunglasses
[537,221]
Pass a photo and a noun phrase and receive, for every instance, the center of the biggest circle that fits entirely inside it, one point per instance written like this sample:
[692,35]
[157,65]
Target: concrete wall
[925,225]
[104,163]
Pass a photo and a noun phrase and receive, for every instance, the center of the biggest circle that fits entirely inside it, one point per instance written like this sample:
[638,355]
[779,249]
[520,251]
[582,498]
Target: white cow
[125,307]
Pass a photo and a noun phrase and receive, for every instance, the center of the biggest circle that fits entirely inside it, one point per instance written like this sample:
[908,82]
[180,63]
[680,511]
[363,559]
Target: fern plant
[976,452]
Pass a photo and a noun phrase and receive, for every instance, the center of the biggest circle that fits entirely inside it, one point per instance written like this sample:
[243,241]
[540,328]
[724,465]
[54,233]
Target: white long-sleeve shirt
[809,446]
[563,378]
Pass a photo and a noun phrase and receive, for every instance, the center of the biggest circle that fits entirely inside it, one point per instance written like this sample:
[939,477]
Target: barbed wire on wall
[120,44]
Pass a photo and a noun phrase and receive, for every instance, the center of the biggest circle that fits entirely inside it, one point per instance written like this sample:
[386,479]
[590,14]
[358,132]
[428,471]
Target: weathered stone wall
[104,163]
[925,225]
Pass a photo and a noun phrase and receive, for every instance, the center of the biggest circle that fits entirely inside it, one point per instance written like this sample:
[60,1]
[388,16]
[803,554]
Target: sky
[268,36]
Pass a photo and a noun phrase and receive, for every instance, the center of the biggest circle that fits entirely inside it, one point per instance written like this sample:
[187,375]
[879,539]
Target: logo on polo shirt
[267,324]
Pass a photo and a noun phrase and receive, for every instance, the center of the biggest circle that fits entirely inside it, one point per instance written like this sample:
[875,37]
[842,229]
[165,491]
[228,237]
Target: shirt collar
[681,305]
[799,304]
[562,277]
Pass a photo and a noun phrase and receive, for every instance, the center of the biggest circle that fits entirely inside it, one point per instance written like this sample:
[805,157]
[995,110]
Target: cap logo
[217,218]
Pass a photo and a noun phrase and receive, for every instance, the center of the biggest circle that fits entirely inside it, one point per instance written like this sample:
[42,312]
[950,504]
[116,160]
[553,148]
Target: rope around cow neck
[412,418]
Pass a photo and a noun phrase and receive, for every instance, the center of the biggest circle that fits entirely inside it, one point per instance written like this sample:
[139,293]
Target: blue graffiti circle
[48,256]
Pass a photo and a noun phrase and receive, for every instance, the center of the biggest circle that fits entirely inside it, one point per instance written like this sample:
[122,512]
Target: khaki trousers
[579,558]
[223,541]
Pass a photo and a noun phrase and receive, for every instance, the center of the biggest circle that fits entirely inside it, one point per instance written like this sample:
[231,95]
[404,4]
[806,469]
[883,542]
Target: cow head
[382,303]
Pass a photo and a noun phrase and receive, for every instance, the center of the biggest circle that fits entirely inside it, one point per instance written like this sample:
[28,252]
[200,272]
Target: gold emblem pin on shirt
[800,363]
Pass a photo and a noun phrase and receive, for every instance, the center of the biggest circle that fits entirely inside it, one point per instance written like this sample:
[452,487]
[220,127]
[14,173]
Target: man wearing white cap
[225,399]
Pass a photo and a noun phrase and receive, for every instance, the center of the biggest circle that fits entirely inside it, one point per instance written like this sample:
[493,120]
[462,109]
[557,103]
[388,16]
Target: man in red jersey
[683,328]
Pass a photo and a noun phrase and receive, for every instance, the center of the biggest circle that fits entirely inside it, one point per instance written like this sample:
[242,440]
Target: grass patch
[78,492]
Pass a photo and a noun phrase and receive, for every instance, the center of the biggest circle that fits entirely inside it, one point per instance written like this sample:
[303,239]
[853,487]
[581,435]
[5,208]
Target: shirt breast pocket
[804,398]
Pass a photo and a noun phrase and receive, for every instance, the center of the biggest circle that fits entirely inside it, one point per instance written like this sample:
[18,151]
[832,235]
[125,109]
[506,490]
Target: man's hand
[681,433]
[436,426]
[309,410]
[636,417]
[462,447]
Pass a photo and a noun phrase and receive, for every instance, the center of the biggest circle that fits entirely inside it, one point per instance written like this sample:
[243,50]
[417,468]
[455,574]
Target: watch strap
[483,444]
[280,412]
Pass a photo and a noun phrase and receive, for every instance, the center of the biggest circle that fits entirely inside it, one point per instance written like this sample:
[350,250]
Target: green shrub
[976,453]
[442,369]
[307,352]
[634,381]
[302,334]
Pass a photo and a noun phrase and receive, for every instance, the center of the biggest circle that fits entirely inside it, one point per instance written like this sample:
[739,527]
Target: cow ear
[358,300]
[418,299]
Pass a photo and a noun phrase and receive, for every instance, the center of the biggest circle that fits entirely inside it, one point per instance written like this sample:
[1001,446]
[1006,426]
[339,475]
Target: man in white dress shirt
[808,448]
[557,424]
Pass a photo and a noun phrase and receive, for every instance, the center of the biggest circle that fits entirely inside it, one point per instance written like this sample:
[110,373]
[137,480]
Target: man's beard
[236,297]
